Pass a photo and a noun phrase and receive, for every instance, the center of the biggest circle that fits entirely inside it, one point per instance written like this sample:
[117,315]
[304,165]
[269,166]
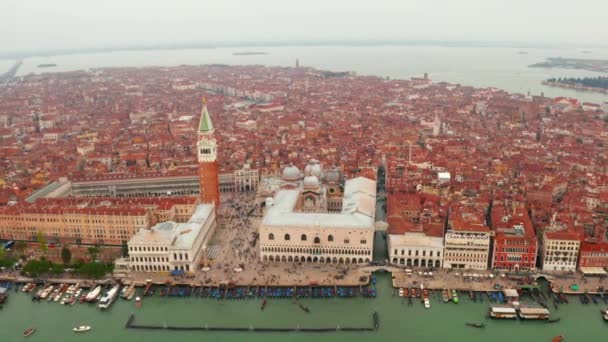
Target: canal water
[398,320]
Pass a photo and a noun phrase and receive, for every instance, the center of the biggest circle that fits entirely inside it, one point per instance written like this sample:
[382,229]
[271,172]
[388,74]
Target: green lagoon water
[398,320]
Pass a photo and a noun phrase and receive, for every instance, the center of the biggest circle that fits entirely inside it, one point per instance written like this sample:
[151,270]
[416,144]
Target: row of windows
[515,250]
[148,249]
[150,259]
[303,237]
[416,253]
[157,268]
[316,251]
[322,260]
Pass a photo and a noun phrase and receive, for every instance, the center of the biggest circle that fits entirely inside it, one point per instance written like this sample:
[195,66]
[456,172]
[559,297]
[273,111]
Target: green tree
[66,255]
[93,251]
[42,241]
[20,246]
[125,250]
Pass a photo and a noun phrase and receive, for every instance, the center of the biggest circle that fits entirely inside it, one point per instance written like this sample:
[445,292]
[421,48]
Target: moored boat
[503,312]
[92,296]
[533,313]
[455,296]
[109,297]
[130,292]
[445,295]
[605,314]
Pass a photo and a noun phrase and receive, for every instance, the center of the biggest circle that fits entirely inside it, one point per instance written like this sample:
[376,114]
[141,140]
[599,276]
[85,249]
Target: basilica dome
[314,168]
[311,182]
[291,173]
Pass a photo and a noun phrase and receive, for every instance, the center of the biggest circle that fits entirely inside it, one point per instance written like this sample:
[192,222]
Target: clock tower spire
[207,160]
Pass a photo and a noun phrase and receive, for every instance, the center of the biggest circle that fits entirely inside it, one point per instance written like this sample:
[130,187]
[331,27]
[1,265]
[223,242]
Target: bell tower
[207,160]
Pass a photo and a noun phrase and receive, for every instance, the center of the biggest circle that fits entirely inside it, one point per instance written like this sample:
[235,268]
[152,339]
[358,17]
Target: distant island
[249,53]
[48,65]
[596,84]
[600,65]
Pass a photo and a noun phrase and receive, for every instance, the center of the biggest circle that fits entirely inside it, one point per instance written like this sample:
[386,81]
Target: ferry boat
[109,298]
[446,295]
[534,313]
[92,296]
[455,296]
[503,312]
[605,314]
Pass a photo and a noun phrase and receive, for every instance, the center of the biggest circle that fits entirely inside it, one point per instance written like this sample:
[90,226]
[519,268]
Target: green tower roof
[205,126]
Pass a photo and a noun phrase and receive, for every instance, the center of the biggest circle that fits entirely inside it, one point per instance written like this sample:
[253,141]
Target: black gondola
[376,320]
[476,325]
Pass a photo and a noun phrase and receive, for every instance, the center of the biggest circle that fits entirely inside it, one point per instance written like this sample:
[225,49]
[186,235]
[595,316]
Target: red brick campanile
[207,160]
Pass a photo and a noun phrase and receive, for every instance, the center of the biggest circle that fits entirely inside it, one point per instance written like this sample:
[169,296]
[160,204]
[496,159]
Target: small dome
[311,182]
[314,168]
[291,173]
[334,175]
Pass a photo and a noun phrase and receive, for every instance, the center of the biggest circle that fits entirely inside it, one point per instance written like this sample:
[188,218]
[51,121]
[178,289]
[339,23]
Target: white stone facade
[298,226]
[466,249]
[170,246]
[414,249]
[559,254]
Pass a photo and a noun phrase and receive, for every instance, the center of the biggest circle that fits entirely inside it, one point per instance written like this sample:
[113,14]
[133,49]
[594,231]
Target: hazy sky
[61,24]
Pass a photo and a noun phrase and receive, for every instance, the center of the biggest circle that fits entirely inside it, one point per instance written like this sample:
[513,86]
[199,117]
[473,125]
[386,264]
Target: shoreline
[399,279]
[575,88]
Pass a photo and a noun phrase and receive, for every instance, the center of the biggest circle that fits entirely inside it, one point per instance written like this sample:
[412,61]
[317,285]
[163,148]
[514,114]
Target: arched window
[287,237]
[363,241]
[346,240]
[330,238]
[317,240]
[270,236]
[303,237]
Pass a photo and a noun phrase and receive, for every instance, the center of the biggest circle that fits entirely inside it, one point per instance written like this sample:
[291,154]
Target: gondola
[476,325]
[304,308]
[554,320]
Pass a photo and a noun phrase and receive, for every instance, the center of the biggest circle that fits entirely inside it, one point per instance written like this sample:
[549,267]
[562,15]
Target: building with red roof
[515,242]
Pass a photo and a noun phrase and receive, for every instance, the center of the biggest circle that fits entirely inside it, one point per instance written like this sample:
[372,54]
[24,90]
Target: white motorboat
[109,297]
[92,296]
[427,303]
[82,328]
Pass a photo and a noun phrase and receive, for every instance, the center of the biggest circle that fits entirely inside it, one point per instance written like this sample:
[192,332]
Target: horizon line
[28,53]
